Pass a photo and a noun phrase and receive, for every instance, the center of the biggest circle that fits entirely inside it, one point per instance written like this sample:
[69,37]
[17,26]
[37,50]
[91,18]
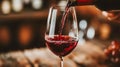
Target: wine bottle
[101,4]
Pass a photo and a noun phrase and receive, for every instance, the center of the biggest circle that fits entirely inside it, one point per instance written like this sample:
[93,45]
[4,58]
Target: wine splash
[61,47]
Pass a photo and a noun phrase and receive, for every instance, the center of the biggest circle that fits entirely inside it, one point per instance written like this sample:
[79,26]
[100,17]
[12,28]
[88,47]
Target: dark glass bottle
[101,4]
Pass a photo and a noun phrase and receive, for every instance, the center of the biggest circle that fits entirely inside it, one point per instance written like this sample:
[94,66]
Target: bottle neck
[81,2]
[101,4]
[108,4]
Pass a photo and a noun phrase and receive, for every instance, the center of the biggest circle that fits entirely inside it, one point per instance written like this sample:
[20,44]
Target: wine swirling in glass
[62,32]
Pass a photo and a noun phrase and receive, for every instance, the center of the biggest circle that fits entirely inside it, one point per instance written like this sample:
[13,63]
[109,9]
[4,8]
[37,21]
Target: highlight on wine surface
[62,31]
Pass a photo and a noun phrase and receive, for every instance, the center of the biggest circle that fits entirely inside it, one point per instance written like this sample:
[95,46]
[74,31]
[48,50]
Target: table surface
[88,54]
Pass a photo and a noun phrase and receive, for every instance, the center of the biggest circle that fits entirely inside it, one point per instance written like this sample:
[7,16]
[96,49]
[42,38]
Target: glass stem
[61,62]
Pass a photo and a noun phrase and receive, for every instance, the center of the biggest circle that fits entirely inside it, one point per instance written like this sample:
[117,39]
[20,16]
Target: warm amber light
[37,4]
[17,5]
[5,7]
[4,35]
[104,31]
[25,35]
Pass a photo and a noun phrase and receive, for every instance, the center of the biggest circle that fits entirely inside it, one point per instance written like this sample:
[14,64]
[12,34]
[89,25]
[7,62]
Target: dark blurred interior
[22,23]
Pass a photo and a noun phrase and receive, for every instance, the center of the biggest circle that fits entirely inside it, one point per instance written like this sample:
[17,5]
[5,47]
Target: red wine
[64,18]
[61,45]
[101,4]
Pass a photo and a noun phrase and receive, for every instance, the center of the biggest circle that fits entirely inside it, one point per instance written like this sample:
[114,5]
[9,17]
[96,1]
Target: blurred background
[23,24]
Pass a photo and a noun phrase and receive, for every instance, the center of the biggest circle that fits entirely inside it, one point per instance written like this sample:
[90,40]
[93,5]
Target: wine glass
[62,31]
